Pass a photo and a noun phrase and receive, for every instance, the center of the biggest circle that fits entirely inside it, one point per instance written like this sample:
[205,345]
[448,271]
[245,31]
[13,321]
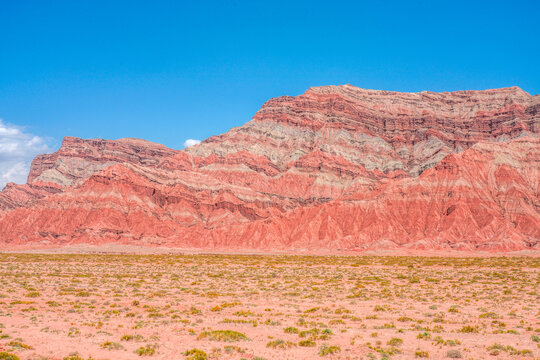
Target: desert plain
[195,307]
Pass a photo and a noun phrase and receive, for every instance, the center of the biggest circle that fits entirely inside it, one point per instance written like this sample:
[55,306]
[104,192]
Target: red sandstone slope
[334,168]
[483,199]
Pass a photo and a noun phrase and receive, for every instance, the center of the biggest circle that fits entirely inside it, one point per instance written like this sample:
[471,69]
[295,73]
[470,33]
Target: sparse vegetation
[291,330]
[329,350]
[195,354]
[280,344]
[147,350]
[468,329]
[8,356]
[19,345]
[109,345]
[395,342]
[229,305]
[222,335]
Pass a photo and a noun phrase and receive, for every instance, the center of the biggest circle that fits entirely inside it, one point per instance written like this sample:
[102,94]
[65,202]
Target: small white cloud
[191,142]
[17,149]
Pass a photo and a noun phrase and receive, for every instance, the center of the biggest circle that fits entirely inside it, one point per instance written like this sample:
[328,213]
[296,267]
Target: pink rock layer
[337,168]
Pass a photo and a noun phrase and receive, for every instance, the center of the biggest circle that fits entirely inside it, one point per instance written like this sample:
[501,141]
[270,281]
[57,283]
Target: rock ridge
[337,167]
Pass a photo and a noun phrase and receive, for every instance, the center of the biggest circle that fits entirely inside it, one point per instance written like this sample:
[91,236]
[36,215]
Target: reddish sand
[109,306]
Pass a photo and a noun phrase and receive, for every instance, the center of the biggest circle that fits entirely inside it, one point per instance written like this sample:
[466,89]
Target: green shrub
[405,319]
[496,349]
[280,344]
[20,345]
[489,315]
[195,354]
[307,343]
[8,356]
[395,342]
[147,350]
[468,329]
[329,350]
[128,337]
[222,335]
[291,330]
[109,345]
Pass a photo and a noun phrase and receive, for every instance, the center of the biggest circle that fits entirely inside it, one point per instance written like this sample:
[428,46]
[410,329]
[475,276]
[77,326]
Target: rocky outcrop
[78,159]
[380,130]
[335,168]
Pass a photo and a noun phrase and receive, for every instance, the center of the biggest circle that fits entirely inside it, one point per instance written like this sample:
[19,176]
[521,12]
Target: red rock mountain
[337,168]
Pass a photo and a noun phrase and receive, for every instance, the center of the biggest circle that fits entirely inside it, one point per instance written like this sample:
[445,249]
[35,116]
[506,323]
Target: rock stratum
[338,168]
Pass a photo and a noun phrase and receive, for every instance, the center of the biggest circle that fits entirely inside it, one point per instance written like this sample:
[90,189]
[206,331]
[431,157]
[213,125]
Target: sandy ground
[113,248]
[81,306]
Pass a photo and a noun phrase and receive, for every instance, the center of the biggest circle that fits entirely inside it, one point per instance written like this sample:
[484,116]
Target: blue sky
[167,71]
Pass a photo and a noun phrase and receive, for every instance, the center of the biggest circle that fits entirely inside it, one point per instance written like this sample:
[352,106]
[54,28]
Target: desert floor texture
[196,307]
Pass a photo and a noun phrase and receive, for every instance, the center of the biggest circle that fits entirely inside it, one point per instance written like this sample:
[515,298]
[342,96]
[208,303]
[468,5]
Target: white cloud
[17,149]
[191,142]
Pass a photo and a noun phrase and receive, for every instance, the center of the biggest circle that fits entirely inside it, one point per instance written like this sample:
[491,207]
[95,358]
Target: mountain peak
[338,167]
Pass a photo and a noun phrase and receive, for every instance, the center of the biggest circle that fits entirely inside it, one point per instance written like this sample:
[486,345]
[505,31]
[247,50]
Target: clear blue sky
[171,70]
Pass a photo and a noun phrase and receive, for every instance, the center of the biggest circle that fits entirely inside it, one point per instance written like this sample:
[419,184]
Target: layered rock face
[337,168]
